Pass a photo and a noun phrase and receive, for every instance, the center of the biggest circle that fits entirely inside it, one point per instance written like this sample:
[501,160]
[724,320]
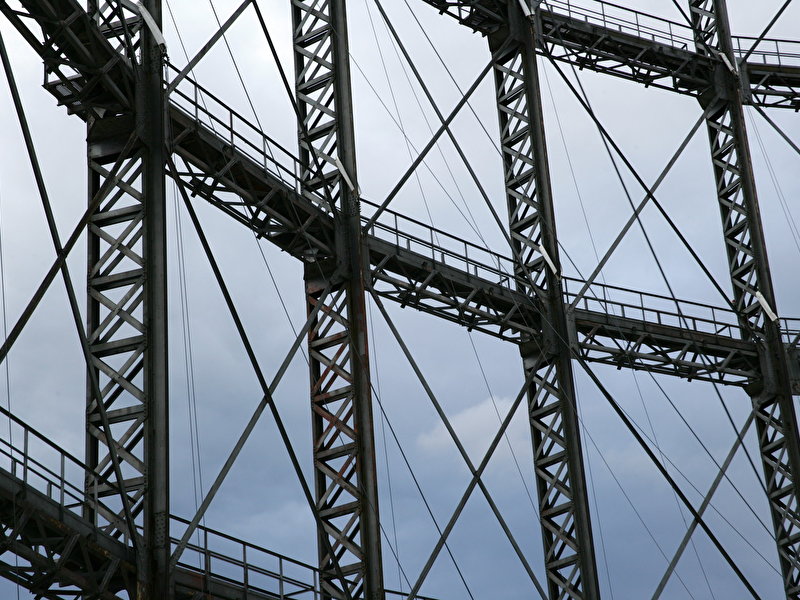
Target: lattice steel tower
[111,534]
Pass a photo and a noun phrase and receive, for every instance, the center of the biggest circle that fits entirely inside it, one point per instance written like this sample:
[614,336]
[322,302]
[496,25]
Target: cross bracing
[220,156]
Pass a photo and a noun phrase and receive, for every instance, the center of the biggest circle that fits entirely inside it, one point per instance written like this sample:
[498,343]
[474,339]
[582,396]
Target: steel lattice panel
[116,334]
[523,202]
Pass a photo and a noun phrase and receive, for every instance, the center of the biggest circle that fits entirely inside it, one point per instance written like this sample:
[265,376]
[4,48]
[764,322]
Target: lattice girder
[340,499]
[127,408]
[345,476]
[519,167]
[548,402]
[558,462]
[634,46]
[315,78]
[753,292]
[116,332]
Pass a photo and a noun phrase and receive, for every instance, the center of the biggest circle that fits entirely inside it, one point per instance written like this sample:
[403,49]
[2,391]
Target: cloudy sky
[638,521]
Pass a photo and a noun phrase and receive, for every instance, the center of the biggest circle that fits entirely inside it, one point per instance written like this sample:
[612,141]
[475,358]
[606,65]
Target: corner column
[127,416]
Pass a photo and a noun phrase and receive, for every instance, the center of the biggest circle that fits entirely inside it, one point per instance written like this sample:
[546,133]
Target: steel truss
[126,416]
[345,474]
[626,43]
[105,65]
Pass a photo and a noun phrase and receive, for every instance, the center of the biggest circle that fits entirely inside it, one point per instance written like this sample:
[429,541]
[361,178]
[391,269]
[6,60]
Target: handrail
[790,330]
[442,247]
[625,20]
[49,475]
[773,52]
[697,316]
[430,241]
[770,51]
[230,538]
[242,134]
[255,568]
[56,483]
[499,268]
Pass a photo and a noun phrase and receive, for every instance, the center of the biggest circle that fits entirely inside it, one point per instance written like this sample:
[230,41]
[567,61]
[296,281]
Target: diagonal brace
[245,435]
[701,510]
[256,368]
[437,406]
[468,492]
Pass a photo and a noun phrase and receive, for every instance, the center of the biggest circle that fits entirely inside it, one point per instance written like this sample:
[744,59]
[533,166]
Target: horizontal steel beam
[608,38]
[417,271]
[435,273]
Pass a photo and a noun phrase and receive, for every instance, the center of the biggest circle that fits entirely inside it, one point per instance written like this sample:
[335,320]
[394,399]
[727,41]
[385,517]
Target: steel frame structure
[127,410]
[106,65]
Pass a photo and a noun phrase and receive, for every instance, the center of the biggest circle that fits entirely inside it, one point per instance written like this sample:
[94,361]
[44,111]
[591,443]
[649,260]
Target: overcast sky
[637,518]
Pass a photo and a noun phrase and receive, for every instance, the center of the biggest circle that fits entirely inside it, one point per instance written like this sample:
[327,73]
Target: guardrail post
[25,456]
[245,569]
[206,560]
[280,573]
[62,477]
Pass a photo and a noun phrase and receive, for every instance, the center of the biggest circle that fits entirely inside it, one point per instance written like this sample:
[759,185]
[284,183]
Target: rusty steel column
[344,448]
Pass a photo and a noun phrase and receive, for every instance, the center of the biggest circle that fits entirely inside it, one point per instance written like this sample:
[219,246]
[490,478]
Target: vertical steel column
[344,449]
[127,312]
[754,296]
[558,460]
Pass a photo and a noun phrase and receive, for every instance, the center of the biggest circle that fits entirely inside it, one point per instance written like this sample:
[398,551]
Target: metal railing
[625,20]
[790,330]
[444,248]
[665,310]
[653,308]
[773,52]
[477,260]
[216,557]
[230,126]
[46,467]
[223,558]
